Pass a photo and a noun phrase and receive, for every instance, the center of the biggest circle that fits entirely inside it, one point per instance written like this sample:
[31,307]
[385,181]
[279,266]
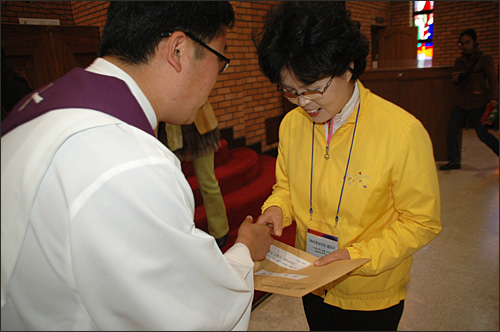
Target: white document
[283,275]
[286,259]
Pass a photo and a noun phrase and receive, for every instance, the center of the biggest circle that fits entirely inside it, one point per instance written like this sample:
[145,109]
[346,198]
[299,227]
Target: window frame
[423,12]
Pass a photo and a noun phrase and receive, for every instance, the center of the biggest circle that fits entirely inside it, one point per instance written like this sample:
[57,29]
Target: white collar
[350,106]
[104,67]
[343,115]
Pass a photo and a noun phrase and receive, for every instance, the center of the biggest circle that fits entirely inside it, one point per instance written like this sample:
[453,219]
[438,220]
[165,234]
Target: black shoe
[449,166]
[221,242]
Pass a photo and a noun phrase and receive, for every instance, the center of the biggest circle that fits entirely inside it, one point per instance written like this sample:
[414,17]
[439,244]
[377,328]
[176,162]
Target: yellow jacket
[390,205]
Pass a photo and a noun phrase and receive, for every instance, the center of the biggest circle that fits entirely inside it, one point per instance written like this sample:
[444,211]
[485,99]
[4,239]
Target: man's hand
[272,217]
[334,256]
[256,237]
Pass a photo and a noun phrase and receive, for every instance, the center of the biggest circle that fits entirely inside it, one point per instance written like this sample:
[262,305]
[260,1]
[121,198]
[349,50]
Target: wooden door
[42,53]
[397,47]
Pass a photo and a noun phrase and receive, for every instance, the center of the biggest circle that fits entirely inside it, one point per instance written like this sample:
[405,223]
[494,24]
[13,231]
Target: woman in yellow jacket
[356,172]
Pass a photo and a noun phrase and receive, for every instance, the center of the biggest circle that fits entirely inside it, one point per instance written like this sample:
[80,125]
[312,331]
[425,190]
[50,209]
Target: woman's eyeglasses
[311,95]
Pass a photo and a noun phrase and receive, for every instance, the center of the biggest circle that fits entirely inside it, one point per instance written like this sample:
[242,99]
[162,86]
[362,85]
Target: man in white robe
[97,217]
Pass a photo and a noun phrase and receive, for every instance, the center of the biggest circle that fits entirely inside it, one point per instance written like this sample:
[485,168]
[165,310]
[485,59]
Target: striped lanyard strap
[330,134]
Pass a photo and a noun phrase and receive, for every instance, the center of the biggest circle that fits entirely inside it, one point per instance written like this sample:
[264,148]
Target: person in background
[97,216]
[355,172]
[14,87]
[197,142]
[477,85]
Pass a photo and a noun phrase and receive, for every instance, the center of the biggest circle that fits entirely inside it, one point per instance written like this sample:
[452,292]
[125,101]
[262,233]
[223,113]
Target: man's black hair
[469,32]
[134,28]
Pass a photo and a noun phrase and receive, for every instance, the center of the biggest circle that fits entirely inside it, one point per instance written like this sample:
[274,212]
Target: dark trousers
[325,317]
[457,121]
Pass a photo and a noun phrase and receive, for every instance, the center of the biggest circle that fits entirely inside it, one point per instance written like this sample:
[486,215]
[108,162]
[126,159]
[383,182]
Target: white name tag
[321,244]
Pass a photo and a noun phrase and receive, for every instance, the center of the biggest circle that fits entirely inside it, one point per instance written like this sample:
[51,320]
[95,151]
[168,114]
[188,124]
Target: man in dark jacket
[477,83]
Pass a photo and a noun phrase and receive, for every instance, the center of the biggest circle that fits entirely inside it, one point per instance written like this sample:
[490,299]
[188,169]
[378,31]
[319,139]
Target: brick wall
[401,13]
[452,17]
[243,98]
[90,13]
[12,10]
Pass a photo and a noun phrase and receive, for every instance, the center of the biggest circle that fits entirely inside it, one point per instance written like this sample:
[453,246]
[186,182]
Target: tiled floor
[454,280]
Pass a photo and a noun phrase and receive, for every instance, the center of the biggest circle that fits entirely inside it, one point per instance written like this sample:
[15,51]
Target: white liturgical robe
[110,242]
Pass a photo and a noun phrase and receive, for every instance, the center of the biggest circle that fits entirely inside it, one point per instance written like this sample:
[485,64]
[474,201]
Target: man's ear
[175,48]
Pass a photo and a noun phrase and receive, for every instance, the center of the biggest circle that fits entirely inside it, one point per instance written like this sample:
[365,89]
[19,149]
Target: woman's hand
[272,217]
[334,256]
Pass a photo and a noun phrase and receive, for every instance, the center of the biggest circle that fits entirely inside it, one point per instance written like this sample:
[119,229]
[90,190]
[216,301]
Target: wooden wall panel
[42,53]
[397,46]
[427,93]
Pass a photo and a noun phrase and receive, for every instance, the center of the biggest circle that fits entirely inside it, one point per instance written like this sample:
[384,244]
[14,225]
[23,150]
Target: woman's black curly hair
[312,39]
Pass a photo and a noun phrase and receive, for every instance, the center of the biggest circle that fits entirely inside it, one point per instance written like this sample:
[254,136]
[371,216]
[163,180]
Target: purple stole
[80,89]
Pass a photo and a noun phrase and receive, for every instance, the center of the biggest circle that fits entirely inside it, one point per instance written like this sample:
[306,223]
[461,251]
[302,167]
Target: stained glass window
[423,18]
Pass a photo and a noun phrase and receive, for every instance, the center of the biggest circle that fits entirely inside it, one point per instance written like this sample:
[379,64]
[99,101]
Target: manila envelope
[296,275]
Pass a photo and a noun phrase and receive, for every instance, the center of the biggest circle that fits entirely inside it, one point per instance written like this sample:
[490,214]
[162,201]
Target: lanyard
[328,139]
[330,134]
